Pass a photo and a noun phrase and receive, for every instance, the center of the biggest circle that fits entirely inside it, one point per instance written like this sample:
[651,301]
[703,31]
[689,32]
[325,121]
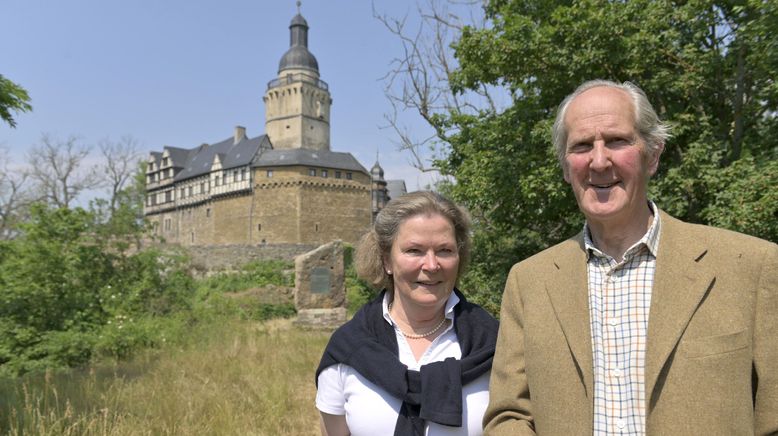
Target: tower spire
[298,6]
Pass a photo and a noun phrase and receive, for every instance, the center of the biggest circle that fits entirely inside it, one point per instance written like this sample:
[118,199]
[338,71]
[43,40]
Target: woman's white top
[371,411]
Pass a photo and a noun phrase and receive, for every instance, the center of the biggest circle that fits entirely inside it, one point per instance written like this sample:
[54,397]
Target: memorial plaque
[320,280]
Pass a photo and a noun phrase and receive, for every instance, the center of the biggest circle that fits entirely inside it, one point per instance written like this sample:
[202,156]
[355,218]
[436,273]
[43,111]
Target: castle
[283,187]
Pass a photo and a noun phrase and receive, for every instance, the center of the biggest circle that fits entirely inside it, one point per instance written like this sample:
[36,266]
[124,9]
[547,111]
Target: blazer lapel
[680,284]
[567,288]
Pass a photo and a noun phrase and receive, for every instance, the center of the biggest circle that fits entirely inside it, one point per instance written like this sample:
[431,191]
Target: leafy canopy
[12,98]
[708,67]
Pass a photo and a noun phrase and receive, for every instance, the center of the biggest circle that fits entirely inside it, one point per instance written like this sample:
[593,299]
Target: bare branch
[14,197]
[418,80]
[120,164]
[56,168]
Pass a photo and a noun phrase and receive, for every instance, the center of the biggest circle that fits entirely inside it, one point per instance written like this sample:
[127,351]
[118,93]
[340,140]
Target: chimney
[240,134]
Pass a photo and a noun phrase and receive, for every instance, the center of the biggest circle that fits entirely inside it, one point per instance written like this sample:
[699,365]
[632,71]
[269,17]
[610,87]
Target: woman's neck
[415,319]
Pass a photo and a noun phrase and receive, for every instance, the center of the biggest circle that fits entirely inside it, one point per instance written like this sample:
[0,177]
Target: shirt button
[617,372]
[613,322]
[621,423]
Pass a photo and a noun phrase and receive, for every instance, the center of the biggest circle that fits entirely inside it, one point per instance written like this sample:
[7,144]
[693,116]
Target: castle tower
[297,103]
[380,195]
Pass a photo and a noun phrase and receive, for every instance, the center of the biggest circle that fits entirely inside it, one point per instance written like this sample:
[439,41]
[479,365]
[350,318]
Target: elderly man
[640,324]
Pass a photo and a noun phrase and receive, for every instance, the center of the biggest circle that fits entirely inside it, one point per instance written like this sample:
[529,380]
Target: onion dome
[298,57]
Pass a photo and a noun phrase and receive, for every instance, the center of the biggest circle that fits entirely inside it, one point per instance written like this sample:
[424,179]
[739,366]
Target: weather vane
[298,6]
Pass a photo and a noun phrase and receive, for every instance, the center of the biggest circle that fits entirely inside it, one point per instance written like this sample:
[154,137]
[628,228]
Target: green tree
[68,289]
[13,98]
[709,68]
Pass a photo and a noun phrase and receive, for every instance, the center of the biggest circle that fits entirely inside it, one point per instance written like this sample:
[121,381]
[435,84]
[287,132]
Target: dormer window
[164,161]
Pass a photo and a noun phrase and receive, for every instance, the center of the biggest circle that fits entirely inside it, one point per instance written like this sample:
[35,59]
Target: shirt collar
[452,301]
[650,239]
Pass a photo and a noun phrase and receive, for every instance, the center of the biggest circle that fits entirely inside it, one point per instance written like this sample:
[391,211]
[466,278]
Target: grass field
[231,378]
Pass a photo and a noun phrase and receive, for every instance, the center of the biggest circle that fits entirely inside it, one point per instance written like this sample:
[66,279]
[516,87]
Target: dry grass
[236,379]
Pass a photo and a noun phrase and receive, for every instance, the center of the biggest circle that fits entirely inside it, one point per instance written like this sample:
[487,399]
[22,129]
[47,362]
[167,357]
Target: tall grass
[232,378]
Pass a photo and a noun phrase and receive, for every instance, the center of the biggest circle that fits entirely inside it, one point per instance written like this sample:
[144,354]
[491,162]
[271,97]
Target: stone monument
[320,292]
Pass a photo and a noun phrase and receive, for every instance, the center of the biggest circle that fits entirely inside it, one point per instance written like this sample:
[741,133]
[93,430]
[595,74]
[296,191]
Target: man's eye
[619,142]
[579,148]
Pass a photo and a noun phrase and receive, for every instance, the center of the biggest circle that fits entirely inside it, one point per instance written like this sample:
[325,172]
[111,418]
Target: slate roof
[200,159]
[157,157]
[396,188]
[257,152]
[306,157]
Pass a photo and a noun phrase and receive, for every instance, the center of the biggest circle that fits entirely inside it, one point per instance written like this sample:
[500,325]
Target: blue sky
[184,72]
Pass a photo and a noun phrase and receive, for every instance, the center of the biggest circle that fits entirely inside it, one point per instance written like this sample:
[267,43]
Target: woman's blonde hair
[377,243]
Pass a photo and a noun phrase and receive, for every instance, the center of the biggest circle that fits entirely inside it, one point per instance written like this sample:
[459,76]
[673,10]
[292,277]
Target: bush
[64,286]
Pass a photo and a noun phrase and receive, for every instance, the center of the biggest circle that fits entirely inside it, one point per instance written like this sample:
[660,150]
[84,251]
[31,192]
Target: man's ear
[565,170]
[653,159]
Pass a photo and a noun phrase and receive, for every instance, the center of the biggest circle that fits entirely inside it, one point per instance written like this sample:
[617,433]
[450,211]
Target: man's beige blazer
[712,346]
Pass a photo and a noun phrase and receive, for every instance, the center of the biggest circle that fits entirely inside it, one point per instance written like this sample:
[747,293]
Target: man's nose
[600,157]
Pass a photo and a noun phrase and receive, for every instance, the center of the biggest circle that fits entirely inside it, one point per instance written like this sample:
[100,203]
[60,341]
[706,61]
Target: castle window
[316,227]
[193,237]
[151,166]
[164,161]
[170,172]
[235,176]
[208,212]
[148,179]
[202,187]
[269,174]
[168,195]
[312,172]
[324,173]
[190,191]
[183,192]
[216,181]
[153,199]
[348,176]
[337,174]
[259,227]
[167,223]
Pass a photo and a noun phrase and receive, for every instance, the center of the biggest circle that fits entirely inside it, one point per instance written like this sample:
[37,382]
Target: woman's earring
[388,272]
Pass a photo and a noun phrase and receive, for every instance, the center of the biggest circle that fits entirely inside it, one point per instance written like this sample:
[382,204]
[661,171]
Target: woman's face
[424,261]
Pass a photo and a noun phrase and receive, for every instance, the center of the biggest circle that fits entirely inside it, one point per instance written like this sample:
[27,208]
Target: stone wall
[286,206]
[210,259]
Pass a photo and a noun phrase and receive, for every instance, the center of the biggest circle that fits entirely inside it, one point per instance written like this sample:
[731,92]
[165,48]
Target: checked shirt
[619,301]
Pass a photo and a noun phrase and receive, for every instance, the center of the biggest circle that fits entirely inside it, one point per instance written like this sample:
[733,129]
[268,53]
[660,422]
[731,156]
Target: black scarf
[368,344]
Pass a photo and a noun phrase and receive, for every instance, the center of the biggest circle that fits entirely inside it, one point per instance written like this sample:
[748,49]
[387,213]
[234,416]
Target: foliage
[358,292]
[254,274]
[62,285]
[12,98]
[74,287]
[708,67]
